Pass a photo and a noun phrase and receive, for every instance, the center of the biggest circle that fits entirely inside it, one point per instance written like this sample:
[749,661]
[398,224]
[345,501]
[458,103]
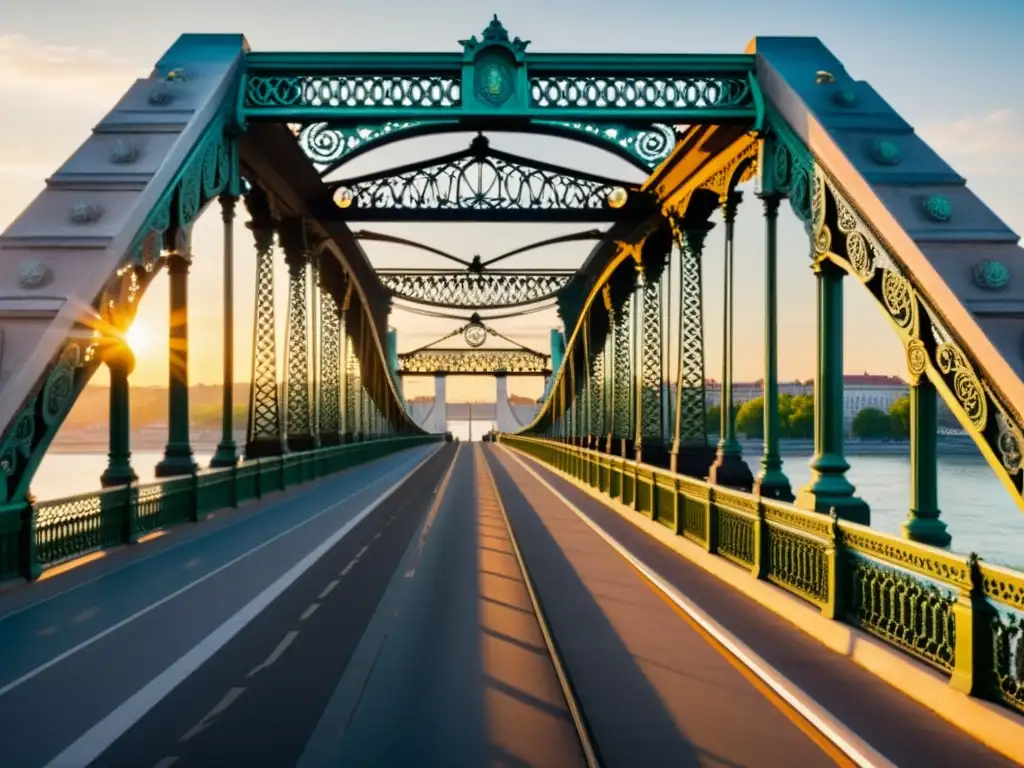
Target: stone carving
[33,274]
[161,97]
[86,213]
[885,152]
[991,275]
[938,208]
[124,152]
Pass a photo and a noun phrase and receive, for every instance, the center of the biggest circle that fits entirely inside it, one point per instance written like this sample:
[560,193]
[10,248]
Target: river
[980,514]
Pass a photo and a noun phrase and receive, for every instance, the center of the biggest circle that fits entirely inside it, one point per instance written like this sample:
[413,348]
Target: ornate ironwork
[651,377]
[475,334]
[691,398]
[330,146]
[514,362]
[481,184]
[623,375]
[471,290]
[297,415]
[358,87]
[264,424]
[330,364]
[597,393]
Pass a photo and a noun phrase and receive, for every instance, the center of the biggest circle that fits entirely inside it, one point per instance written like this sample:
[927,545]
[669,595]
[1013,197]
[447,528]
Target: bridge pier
[440,403]
[729,468]
[178,458]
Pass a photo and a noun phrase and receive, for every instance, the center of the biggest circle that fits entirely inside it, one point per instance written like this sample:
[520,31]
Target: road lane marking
[276,653]
[210,716]
[166,762]
[167,598]
[852,745]
[259,513]
[309,611]
[328,589]
[95,741]
[362,552]
[376,536]
[349,567]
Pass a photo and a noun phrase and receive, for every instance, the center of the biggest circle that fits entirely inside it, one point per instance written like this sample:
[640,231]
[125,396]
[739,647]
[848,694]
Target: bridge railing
[54,531]
[961,616]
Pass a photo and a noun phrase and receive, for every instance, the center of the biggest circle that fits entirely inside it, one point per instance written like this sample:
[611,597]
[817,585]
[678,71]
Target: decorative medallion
[937,208]
[161,97]
[991,275]
[885,152]
[343,197]
[494,80]
[33,274]
[475,335]
[617,197]
[125,153]
[86,213]
[917,358]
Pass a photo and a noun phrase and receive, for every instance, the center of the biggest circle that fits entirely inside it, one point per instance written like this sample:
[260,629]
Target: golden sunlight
[137,337]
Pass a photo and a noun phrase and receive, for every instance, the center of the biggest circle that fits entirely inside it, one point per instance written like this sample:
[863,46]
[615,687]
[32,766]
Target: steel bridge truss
[468,290]
[482,184]
[473,362]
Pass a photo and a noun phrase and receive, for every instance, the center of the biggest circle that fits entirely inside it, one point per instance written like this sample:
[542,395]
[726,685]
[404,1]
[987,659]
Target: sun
[137,337]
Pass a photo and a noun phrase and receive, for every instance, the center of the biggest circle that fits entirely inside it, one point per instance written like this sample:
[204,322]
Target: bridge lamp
[617,197]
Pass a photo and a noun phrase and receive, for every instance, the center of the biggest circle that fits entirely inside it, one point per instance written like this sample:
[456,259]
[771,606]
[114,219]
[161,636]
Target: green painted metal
[622,427]
[298,416]
[178,458]
[495,81]
[120,362]
[264,430]
[771,481]
[729,467]
[226,454]
[330,389]
[955,613]
[71,527]
[923,522]
[829,488]
[691,400]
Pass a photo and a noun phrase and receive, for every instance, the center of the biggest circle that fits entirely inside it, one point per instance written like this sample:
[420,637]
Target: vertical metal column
[331,332]
[296,376]
[120,362]
[226,454]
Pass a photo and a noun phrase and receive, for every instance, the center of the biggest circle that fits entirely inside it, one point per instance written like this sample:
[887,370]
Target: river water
[980,514]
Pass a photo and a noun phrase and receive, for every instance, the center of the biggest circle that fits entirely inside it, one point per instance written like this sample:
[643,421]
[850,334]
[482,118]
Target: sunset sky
[947,67]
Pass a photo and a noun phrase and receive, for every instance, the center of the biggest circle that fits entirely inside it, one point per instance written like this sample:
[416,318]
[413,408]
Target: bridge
[602,585]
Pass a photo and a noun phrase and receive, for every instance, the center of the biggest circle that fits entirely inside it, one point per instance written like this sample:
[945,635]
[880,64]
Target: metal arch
[330,146]
[482,184]
[473,362]
[468,290]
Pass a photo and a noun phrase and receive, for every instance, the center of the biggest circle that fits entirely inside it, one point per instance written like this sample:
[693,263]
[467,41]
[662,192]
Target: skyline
[63,86]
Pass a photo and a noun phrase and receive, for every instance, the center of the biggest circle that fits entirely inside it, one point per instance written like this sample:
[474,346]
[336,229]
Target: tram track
[583,732]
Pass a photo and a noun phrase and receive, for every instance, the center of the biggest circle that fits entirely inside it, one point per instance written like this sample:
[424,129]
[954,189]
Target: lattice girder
[473,362]
[474,290]
[482,184]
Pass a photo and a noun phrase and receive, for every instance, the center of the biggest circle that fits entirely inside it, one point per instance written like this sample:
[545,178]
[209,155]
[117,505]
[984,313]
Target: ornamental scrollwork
[473,291]
[473,361]
[966,386]
[479,180]
[325,144]
[900,301]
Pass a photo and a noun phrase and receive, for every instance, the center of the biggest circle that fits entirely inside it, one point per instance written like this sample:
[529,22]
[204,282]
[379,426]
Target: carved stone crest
[33,273]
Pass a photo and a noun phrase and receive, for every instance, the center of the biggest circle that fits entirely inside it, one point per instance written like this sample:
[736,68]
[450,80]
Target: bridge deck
[319,629]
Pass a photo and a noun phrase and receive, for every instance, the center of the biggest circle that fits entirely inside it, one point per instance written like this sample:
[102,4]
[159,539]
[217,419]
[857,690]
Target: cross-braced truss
[471,290]
[473,362]
[483,184]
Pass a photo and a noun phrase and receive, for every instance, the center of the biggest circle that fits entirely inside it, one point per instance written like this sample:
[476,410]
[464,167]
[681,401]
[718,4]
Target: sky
[947,67]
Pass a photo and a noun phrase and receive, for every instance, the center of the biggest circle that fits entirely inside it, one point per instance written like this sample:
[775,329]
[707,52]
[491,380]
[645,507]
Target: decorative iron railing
[962,616]
[63,529]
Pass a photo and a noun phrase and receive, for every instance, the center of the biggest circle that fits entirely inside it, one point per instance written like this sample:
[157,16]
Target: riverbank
[791,447]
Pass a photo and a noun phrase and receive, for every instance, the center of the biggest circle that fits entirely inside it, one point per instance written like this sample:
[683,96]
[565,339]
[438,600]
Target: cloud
[69,75]
[991,144]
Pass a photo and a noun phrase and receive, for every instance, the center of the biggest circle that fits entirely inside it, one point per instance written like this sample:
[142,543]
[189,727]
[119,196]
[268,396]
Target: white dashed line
[376,536]
[349,567]
[328,589]
[309,611]
[362,552]
[167,762]
[207,721]
[276,654]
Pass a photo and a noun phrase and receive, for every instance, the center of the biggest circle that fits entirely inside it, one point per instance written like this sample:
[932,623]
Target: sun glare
[137,338]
